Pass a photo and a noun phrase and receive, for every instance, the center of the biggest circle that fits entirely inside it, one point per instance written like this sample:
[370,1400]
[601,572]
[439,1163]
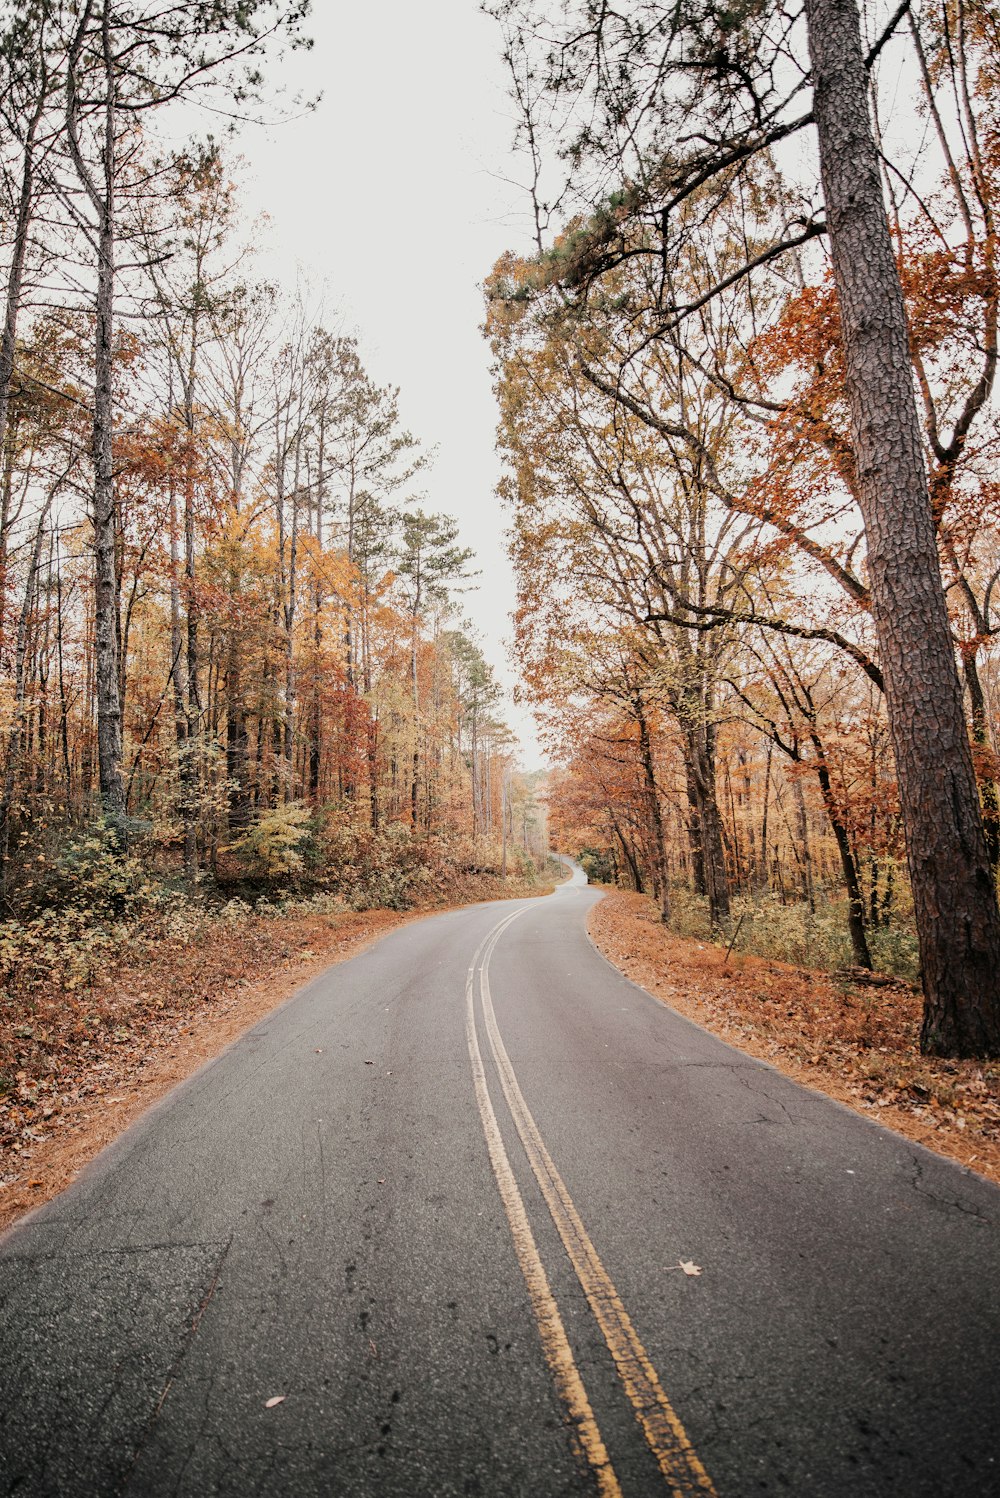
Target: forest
[749,421]
[233,660]
[499,747]
[745,383]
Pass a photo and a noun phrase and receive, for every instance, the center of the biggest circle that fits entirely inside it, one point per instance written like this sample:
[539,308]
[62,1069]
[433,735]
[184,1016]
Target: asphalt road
[452,1246]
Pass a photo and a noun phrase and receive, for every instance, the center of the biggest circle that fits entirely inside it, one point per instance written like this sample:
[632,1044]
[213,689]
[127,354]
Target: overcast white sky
[391,193]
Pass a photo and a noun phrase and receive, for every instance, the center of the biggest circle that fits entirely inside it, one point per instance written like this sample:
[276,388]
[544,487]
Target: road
[438,1204]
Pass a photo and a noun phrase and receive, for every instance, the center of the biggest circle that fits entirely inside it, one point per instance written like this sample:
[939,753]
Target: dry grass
[856,1043]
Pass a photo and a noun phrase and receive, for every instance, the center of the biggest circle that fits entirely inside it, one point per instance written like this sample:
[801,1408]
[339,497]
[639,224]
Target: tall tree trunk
[109,728]
[692,821]
[954,894]
[190,763]
[761,880]
[16,736]
[852,881]
[653,811]
[372,757]
[237,738]
[699,742]
[415,687]
[981,739]
[802,818]
[19,248]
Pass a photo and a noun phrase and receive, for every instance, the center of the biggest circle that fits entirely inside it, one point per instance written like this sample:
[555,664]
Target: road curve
[437,1206]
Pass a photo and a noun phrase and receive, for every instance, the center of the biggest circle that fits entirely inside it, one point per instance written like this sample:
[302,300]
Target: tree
[656,79]
[120,67]
[430,567]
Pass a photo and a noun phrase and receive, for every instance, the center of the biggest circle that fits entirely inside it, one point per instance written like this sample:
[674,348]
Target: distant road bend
[431,1228]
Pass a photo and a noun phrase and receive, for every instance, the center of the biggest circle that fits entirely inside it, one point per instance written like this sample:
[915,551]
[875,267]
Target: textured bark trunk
[635,873]
[18,253]
[802,818]
[700,756]
[101,193]
[762,876]
[855,897]
[237,742]
[954,894]
[109,732]
[654,813]
[982,741]
[190,764]
[414,682]
[16,736]
[373,774]
[694,831]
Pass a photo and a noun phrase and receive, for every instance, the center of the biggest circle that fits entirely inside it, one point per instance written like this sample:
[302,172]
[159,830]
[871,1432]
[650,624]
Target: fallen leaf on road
[278,1399]
[688,1266]
[369,1063]
[381,1180]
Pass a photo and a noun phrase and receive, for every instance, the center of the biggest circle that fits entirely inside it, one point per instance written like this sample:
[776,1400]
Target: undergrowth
[796,934]
[92,903]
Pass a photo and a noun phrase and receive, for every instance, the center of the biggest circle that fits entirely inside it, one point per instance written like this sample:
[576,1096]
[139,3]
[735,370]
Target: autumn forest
[745,382]
[748,411]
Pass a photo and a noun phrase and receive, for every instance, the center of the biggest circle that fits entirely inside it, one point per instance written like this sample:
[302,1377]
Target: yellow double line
[682,1471]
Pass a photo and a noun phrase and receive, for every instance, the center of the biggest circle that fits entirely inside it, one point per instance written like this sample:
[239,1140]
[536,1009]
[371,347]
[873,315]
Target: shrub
[596,864]
[277,845]
[689,914]
[895,950]
[91,874]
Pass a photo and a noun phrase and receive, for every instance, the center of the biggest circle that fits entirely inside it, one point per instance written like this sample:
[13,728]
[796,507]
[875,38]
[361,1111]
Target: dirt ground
[855,1042]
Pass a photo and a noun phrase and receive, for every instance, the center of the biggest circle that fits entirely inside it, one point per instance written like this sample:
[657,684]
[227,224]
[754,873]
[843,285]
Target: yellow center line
[663,1430]
[555,1343]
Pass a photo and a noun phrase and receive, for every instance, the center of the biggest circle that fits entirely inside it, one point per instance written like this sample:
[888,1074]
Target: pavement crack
[949,1203]
[178,1362]
[759,1091]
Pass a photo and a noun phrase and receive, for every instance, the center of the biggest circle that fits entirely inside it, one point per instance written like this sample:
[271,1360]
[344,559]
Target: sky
[394,197]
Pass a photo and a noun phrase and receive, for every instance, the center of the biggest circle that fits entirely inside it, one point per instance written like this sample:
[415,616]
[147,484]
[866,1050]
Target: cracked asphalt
[314,1216]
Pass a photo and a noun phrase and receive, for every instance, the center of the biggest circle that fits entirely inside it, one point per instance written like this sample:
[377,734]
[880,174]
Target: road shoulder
[858,1046]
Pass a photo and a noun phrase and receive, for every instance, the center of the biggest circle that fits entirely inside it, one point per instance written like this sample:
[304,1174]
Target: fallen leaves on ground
[856,1042]
[79,1066]
[269,1404]
[94,1061]
[689,1266]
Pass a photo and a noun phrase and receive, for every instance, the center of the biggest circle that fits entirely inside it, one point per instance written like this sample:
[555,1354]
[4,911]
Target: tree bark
[855,897]
[655,816]
[102,196]
[954,894]
[699,752]
[15,738]
[990,798]
[19,248]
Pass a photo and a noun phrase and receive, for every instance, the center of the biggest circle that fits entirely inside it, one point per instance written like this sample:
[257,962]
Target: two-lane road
[439,1202]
